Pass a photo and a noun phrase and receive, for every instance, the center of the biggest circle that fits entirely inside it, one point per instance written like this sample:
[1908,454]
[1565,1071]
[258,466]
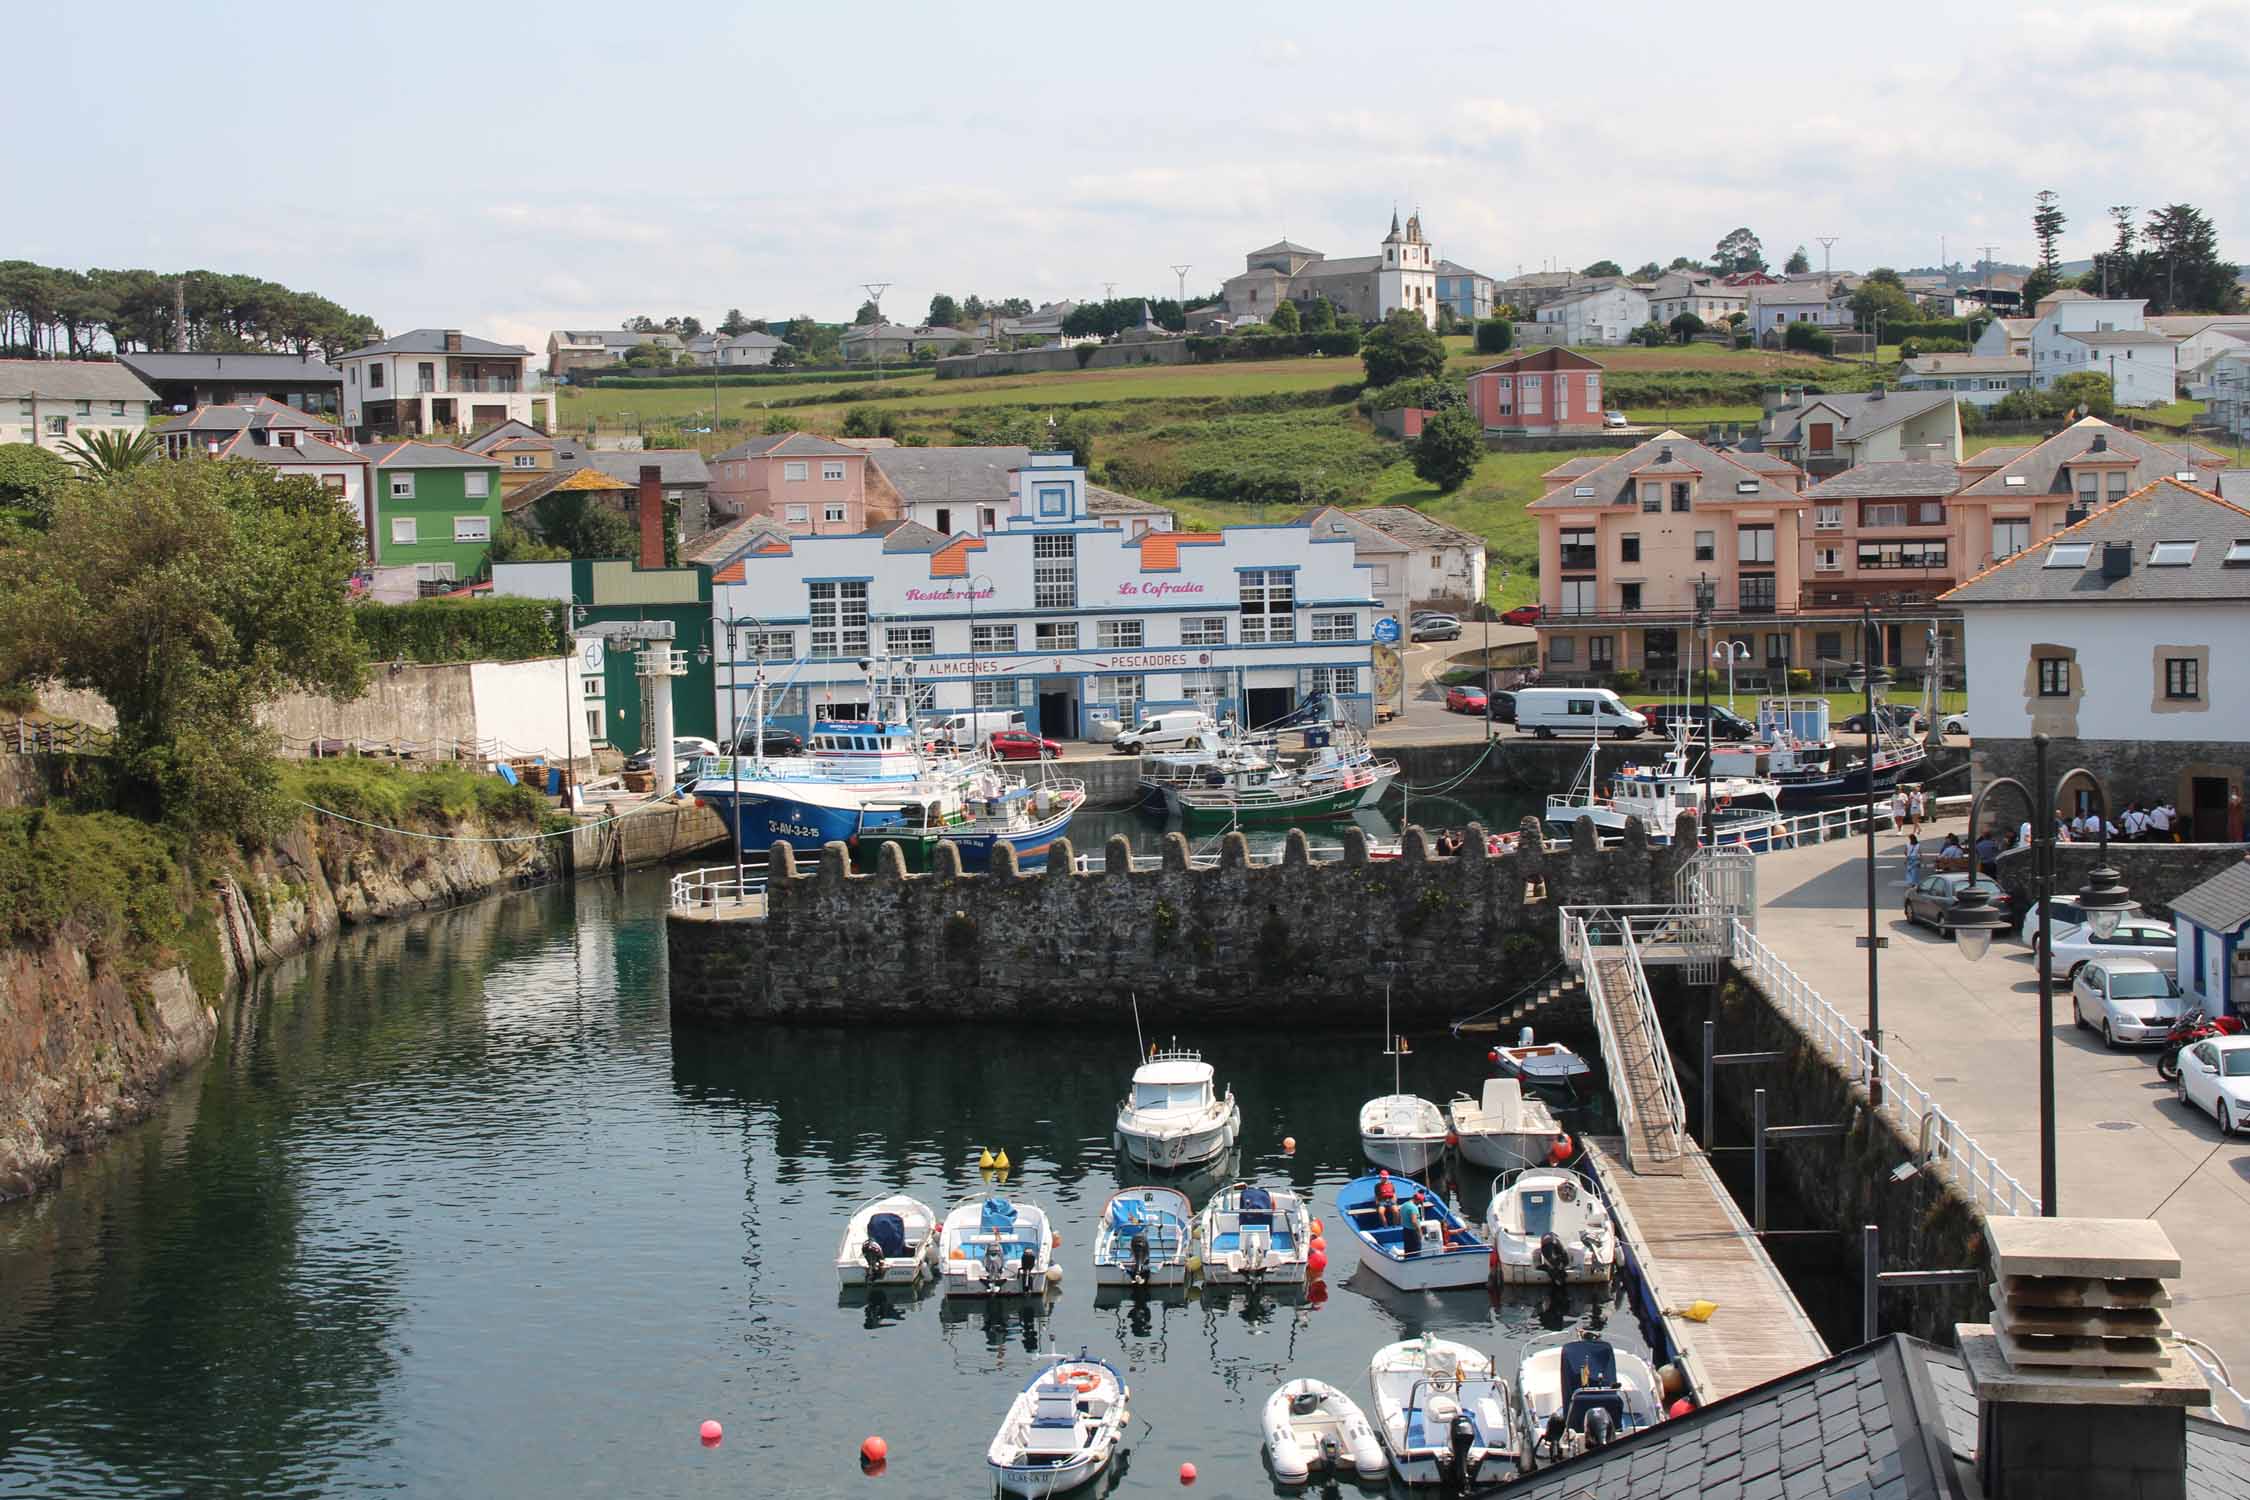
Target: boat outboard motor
[872,1253]
[1140,1259]
[1028,1264]
[995,1261]
[1331,1450]
[1601,1429]
[1457,1469]
[1553,1258]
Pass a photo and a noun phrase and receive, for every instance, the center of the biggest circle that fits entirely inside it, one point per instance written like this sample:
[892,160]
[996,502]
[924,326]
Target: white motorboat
[1175,1116]
[1311,1425]
[1443,1413]
[1503,1129]
[1655,795]
[1583,1394]
[1062,1429]
[891,1241]
[1538,1062]
[1548,1225]
[996,1247]
[1404,1132]
[1145,1238]
[1254,1236]
[1410,1236]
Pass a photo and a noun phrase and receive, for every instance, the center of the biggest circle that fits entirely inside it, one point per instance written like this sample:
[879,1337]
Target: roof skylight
[2069,554]
[2171,554]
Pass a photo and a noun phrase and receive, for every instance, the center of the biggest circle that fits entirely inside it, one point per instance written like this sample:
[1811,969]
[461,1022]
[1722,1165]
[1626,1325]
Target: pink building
[1539,390]
[806,485]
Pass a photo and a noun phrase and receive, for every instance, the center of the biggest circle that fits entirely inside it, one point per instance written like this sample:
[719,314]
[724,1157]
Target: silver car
[2136,937]
[2128,1000]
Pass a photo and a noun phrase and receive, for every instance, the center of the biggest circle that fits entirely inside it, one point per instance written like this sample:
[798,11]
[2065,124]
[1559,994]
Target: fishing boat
[1398,1130]
[1175,1116]
[1062,1429]
[890,1241]
[976,816]
[1583,1394]
[1655,794]
[1537,1062]
[1341,775]
[1310,1425]
[1145,1238]
[1443,1413]
[1795,751]
[1549,1226]
[1254,1236]
[1503,1129]
[1215,746]
[1410,1237]
[996,1247]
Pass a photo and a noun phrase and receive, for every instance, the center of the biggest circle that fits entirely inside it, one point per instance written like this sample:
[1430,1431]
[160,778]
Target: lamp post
[980,580]
[1731,652]
[734,624]
[1869,675]
[1974,920]
[1705,593]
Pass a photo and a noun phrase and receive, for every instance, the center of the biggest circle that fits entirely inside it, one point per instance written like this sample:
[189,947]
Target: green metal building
[618,592]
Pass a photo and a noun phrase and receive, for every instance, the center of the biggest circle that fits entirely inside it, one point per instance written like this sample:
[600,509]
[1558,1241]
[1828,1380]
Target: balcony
[1576,559]
[468,385]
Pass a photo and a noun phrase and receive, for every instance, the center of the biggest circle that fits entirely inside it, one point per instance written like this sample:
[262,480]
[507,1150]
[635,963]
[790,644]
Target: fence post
[1710,1050]
[1758,1152]
[1870,1282]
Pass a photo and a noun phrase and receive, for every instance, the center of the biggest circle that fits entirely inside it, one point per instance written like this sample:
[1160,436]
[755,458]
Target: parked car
[1550,711]
[1462,698]
[1726,724]
[1503,704]
[2140,937]
[778,741]
[1522,614]
[1897,717]
[2126,1000]
[2068,913]
[1955,725]
[686,751]
[1613,419]
[1021,744]
[1930,901]
[1436,628]
[1166,731]
[2215,1076]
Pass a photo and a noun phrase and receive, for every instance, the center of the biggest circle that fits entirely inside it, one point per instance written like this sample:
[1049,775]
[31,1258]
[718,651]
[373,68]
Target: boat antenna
[1394,1045]
[1138,1040]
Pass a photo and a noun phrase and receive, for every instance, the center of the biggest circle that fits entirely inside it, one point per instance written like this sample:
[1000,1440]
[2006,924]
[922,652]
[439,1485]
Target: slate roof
[258,368]
[1761,462]
[911,536]
[563,481]
[1571,468]
[1448,268]
[787,445]
[752,339]
[432,341]
[1330,520]
[2219,904]
[486,441]
[2119,336]
[717,548]
[1350,265]
[264,415]
[309,450]
[1406,524]
[1858,414]
[678,465]
[71,380]
[1904,477]
[1101,502]
[1284,247]
[406,453]
[1613,484]
[2187,325]
[2165,511]
[2041,466]
[962,475]
[1970,364]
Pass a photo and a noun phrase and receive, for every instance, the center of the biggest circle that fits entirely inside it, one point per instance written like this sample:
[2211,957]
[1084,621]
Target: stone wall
[1315,943]
[2154,873]
[1025,361]
[2131,770]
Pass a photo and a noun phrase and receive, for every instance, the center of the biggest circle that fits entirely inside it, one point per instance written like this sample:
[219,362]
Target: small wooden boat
[1503,1129]
[1548,1063]
[1582,1395]
[1145,1238]
[1443,1413]
[890,1241]
[1409,1237]
[995,1247]
[1062,1429]
[1311,1425]
[1254,1236]
[1548,1225]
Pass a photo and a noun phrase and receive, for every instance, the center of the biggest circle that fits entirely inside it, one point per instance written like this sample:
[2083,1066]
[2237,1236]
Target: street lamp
[1865,674]
[980,580]
[2103,897]
[1706,593]
[1731,652]
[734,624]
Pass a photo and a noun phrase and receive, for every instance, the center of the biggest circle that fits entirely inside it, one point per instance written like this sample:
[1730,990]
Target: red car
[1522,614]
[1021,744]
[1464,700]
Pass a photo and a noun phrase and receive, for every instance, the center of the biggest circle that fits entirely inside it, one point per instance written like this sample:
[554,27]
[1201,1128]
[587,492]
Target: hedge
[451,630]
[1933,328]
[1202,350]
[701,375]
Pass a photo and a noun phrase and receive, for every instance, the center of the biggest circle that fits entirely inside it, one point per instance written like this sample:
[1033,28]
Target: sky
[508,170]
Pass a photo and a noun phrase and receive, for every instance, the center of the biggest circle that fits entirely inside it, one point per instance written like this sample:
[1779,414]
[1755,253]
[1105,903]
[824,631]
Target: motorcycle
[2192,1027]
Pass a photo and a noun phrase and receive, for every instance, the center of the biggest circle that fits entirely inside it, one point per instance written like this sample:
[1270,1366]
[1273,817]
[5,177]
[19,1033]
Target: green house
[435,509]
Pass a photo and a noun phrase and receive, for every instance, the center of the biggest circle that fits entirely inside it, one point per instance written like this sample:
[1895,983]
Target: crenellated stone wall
[1310,943]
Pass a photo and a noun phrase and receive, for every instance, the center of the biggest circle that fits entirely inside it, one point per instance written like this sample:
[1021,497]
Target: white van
[967,730]
[1551,711]
[1167,731]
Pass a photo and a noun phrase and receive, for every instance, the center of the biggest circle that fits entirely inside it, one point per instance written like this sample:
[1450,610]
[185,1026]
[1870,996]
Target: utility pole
[875,290]
[1109,291]
[1181,272]
[1827,257]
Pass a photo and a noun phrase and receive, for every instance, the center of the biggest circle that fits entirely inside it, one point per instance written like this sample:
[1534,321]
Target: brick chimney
[453,341]
[650,506]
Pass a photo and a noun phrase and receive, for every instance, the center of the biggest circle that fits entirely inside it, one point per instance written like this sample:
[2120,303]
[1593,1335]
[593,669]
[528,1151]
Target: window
[1706,546]
[1125,693]
[1681,495]
[1578,548]
[992,640]
[1269,604]
[1629,549]
[796,514]
[832,513]
[1334,628]
[1054,501]
[1753,544]
[2069,554]
[1121,635]
[2238,553]
[1828,559]
[1333,680]
[1777,650]
[2183,677]
[2089,487]
[117,408]
[404,531]
[1578,596]
[839,618]
[2010,536]
[1918,555]
[1872,514]
[1203,630]
[793,471]
[1828,518]
[1561,651]
[25,407]
[1757,593]
[1820,437]
[1206,688]
[2015,481]
[1055,635]
[1660,649]
[1006,693]
[2171,554]
[1532,387]
[832,469]
[1601,652]
[775,645]
[58,426]
[332,483]
[2054,676]
[592,685]
[1379,575]
[1652,497]
[402,486]
[476,486]
[2117,485]
[1629,597]
[526,460]
[85,408]
[910,640]
[1054,572]
[374,377]
[1828,645]
[472,528]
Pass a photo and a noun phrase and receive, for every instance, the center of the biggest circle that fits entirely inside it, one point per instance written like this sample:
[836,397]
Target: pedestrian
[2234,817]
[1988,854]
[1898,808]
[1913,861]
[2136,823]
[1918,808]
[2078,825]
[2160,821]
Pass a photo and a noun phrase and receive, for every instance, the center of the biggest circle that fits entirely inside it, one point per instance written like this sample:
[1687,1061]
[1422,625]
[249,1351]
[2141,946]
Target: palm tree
[108,453]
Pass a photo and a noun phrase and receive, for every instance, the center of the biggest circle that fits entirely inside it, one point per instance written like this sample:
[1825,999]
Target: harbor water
[453,1211]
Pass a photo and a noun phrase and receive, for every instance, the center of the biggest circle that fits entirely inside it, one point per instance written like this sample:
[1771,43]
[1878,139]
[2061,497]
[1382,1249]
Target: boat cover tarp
[999,1214]
[1255,1207]
[1589,1380]
[1125,1213]
[889,1231]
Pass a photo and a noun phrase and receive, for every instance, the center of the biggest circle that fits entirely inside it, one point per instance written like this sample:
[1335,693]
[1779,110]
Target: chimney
[1880,389]
[453,341]
[2117,559]
[2101,443]
[2080,1389]
[650,505]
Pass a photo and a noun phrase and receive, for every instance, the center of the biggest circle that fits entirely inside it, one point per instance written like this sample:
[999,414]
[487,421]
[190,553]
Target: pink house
[806,485]
[1539,390]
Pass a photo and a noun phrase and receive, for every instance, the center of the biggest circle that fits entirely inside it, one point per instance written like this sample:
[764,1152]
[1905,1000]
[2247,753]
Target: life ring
[1725,803]
[1568,1192]
[1083,1381]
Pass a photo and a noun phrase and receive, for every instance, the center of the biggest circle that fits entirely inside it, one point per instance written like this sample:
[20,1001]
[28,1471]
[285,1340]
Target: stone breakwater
[1313,943]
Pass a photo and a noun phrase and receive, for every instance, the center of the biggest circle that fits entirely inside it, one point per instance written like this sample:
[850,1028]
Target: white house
[1978,379]
[2226,389]
[438,380]
[1816,302]
[1598,315]
[2005,337]
[2197,340]
[2211,922]
[1712,300]
[748,348]
[2121,638]
[50,402]
[2078,334]
[1055,614]
[1443,563]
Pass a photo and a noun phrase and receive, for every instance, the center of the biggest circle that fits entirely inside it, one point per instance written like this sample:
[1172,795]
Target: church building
[1362,288]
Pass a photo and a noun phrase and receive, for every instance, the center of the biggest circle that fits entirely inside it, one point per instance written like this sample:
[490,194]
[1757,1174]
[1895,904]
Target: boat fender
[1561,1151]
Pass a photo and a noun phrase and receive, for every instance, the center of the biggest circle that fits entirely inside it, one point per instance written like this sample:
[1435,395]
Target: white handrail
[715,885]
[1578,942]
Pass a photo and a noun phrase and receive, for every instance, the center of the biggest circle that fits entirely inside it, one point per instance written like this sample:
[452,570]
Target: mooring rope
[507,838]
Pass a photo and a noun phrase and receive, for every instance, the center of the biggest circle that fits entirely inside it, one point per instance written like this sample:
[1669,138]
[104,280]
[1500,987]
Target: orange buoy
[711,1433]
[1316,1262]
[1680,1408]
[873,1450]
[1316,1229]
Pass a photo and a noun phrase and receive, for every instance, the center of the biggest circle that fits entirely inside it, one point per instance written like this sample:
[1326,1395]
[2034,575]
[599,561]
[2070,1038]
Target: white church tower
[1407,276]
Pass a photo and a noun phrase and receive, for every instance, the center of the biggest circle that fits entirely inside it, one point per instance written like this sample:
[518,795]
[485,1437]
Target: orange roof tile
[1161,549]
[952,559]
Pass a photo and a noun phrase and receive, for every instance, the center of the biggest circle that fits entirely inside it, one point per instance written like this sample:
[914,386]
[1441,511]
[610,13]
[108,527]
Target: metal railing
[715,885]
[1584,937]
[55,737]
[1937,1134]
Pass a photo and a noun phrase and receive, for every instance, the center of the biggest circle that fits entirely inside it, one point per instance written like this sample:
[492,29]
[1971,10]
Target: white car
[2068,913]
[2136,937]
[1955,724]
[2215,1076]
[2125,999]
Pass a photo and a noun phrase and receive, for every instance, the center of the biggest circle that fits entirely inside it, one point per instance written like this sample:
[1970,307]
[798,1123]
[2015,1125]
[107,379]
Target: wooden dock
[1656,1140]
[1691,1243]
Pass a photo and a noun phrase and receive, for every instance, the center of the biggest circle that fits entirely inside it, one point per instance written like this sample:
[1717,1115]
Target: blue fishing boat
[976,817]
[1408,1235]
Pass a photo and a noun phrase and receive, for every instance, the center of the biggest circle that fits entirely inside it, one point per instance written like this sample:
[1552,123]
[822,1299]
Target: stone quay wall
[1315,943]
[2156,874]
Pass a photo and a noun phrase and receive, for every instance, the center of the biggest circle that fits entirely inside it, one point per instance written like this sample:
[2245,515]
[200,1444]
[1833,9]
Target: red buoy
[1561,1151]
[874,1450]
[1187,1473]
[712,1433]
[1493,1057]
[1680,1408]
[1316,1262]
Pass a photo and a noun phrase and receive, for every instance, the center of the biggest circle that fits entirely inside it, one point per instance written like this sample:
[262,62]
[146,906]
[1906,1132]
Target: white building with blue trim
[1050,612]
[2212,921]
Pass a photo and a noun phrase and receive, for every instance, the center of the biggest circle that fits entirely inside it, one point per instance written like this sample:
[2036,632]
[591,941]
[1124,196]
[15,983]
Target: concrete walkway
[1968,1034]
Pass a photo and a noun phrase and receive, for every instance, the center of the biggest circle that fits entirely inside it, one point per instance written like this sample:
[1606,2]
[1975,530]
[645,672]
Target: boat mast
[1139,1041]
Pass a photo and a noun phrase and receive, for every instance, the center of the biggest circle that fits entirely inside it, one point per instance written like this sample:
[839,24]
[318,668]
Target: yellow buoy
[1000,1160]
[984,1159]
[1698,1311]
[1195,1265]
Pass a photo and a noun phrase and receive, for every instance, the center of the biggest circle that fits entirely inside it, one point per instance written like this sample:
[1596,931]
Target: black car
[779,741]
[1898,718]
[1931,901]
[1503,703]
[1726,724]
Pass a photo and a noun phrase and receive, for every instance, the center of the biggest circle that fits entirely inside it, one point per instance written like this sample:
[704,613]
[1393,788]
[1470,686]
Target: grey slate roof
[1760,461]
[2165,511]
[952,475]
[71,380]
[751,339]
[715,549]
[264,414]
[309,450]
[1859,414]
[432,341]
[260,369]
[406,453]
[1101,502]
[1330,520]
[2118,336]
[486,441]
[910,536]
[1613,484]
[1448,268]
[2041,466]
[1904,477]
[1284,247]
[2221,903]
[679,465]
[1350,265]
[1969,364]
[1406,524]
[788,445]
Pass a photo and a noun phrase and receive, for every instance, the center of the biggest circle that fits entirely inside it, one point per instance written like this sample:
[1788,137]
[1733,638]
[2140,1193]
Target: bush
[1916,348]
[1650,335]
[1448,449]
[1704,680]
[1922,331]
[1625,680]
[1431,392]
[1203,349]
[1495,336]
[1401,347]
[1808,338]
[31,481]
[450,630]
[1800,679]
[776,424]
[693,375]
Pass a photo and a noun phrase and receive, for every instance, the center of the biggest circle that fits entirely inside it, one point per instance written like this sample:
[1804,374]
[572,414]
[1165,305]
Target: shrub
[31,481]
[1431,392]
[1625,680]
[1800,679]
[1649,335]
[1808,338]
[1208,350]
[1447,451]
[1495,336]
[1401,347]
[450,630]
